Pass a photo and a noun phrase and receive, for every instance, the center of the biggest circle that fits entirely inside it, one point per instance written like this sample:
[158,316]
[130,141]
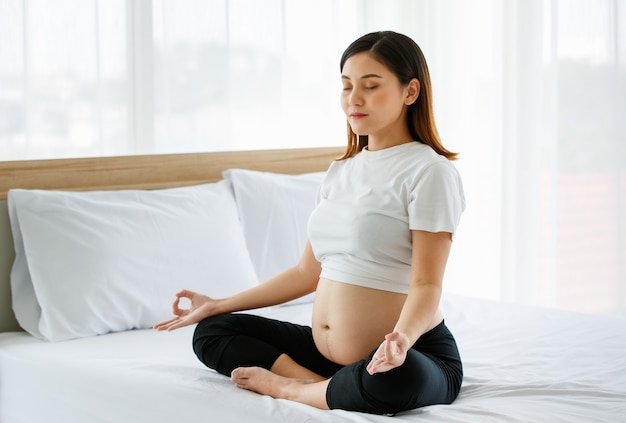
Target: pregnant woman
[379,240]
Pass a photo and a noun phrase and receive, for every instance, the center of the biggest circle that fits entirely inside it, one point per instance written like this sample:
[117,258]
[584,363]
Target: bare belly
[350,321]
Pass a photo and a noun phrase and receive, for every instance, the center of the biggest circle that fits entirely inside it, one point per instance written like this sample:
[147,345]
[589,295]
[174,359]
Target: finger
[185,294]
[170,326]
[163,325]
[177,325]
[166,322]
[388,350]
[395,349]
[393,337]
[396,343]
[175,309]
[372,367]
[377,359]
[378,366]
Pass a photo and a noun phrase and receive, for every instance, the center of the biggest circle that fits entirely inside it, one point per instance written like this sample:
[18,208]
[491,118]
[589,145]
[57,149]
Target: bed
[93,250]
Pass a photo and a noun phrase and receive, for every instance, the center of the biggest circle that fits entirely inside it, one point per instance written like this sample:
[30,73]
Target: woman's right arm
[292,283]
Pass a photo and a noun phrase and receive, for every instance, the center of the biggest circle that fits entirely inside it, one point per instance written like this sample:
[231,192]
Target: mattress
[521,364]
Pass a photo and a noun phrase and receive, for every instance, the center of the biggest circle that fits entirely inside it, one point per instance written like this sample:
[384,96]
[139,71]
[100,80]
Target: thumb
[393,336]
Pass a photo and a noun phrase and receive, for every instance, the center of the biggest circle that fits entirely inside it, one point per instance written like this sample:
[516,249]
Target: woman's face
[374,100]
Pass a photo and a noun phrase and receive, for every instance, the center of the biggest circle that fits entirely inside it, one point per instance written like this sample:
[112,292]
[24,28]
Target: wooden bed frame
[135,172]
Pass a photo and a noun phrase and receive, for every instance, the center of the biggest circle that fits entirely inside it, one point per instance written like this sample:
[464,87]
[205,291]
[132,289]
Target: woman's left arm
[428,263]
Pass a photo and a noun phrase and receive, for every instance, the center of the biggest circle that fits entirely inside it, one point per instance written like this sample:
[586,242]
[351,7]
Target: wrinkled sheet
[522,364]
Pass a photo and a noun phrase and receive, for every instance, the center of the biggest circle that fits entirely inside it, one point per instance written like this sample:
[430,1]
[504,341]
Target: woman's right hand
[201,307]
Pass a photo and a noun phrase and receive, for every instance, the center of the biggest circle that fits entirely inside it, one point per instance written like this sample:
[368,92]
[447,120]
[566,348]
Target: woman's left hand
[391,353]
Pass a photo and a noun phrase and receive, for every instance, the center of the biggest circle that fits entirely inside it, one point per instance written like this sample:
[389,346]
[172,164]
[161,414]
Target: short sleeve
[437,200]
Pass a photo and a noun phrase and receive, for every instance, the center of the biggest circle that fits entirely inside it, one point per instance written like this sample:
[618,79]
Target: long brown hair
[401,55]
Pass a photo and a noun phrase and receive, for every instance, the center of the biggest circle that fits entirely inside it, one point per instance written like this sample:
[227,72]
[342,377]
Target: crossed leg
[246,346]
[243,346]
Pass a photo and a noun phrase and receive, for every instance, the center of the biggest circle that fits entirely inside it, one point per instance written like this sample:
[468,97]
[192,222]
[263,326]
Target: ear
[412,91]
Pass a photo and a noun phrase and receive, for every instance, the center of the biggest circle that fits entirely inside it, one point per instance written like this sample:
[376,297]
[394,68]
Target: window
[96,78]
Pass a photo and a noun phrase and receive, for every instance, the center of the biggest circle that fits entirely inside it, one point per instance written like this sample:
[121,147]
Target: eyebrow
[369,75]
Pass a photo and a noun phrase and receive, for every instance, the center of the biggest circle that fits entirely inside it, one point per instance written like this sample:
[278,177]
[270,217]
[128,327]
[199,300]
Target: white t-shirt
[360,230]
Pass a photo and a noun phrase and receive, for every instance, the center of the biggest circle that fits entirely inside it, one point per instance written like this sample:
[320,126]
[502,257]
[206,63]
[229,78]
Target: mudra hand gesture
[201,307]
[391,353]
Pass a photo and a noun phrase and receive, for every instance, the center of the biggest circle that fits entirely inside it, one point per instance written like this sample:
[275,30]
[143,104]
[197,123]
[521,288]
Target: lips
[357,115]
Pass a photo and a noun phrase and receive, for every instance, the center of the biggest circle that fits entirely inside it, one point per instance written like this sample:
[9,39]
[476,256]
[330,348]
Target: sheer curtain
[116,77]
[532,93]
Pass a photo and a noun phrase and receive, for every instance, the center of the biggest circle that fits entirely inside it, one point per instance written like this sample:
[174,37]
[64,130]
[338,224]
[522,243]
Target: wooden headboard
[135,172]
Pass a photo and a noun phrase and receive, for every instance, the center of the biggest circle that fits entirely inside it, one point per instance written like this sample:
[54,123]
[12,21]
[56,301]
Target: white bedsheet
[521,365]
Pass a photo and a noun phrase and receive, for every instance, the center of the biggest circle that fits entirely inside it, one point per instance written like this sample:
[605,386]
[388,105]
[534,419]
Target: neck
[394,134]
[380,143]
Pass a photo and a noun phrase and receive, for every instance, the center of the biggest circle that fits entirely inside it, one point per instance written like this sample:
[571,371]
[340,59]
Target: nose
[355,98]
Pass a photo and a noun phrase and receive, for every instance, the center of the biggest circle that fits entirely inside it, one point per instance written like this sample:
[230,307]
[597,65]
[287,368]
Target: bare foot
[262,381]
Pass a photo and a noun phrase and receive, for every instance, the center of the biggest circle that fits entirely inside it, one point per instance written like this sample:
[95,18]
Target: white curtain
[532,93]
[115,77]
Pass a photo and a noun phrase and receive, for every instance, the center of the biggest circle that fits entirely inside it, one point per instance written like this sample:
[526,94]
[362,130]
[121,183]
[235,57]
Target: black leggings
[431,374]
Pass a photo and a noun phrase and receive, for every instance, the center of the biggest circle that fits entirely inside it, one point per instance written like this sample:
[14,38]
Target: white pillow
[104,261]
[274,210]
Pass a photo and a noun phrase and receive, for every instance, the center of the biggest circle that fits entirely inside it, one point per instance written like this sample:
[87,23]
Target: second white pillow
[274,210]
